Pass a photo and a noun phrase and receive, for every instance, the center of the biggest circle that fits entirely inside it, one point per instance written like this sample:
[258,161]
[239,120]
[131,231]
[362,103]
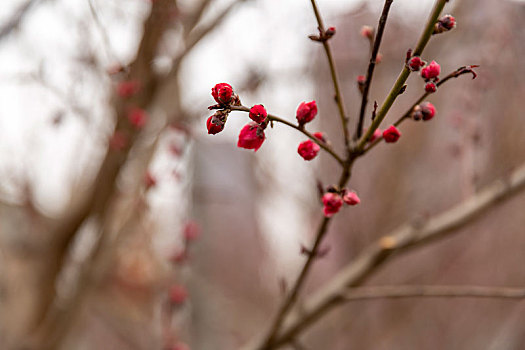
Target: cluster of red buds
[424,111]
[444,24]
[333,200]
[431,75]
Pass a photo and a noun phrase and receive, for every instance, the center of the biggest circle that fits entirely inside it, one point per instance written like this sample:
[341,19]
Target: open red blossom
[306,112]
[391,134]
[332,203]
[251,136]
[415,63]
[222,93]
[351,198]
[430,87]
[431,71]
[178,294]
[138,117]
[428,110]
[128,88]
[308,149]
[258,113]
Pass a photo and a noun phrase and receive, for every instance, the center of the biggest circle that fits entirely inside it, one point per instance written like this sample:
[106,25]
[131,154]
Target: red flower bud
[258,113]
[415,63]
[431,71]
[444,24]
[251,136]
[138,117]
[391,134]
[306,112]
[428,110]
[330,32]
[430,87]
[350,197]
[308,149]
[222,93]
[332,203]
[128,88]
[320,136]
[178,294]
[367,32]
[216,122]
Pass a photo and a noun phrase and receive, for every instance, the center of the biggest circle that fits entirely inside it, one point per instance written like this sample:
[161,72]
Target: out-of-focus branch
[397,292]
[406,236]
[17,18]
[371,66]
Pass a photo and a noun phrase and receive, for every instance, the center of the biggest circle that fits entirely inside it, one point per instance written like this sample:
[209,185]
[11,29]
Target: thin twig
[371,66]
[403,76]
[399,241]
[338,95]
[396,292]
[277,119]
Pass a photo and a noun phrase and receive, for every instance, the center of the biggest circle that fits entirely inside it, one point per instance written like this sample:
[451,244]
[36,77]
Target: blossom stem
[277,119]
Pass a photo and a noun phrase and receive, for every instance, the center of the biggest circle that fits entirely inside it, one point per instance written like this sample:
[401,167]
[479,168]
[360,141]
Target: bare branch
[396,292]
[398,241]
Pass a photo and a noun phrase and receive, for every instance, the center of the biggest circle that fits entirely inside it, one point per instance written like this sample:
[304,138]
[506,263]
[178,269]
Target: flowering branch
[277,119]
[407,236]
[338,95]
[371,66]
[396,292]
[455,74]
[403,76]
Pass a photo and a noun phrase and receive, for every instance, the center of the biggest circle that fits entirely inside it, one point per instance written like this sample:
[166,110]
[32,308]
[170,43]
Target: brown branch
[333,73]
[398,241]
[397,292]
[371,66]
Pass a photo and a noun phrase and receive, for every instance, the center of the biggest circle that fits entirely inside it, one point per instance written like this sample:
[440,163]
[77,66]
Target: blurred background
[188,240]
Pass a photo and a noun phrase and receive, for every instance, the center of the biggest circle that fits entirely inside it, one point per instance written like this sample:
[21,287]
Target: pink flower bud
[415,63]
[128,88]
[430,87]
[379,57]
[251,136]
[431,71]
[332,203]
[192,231]
[367,32]
[350,197]
[222,93]
[258,113]
[391,134]
[178,294]
[308,149]
[149,180]
[376,135]
[306,112]
[428,110]
[138,117]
